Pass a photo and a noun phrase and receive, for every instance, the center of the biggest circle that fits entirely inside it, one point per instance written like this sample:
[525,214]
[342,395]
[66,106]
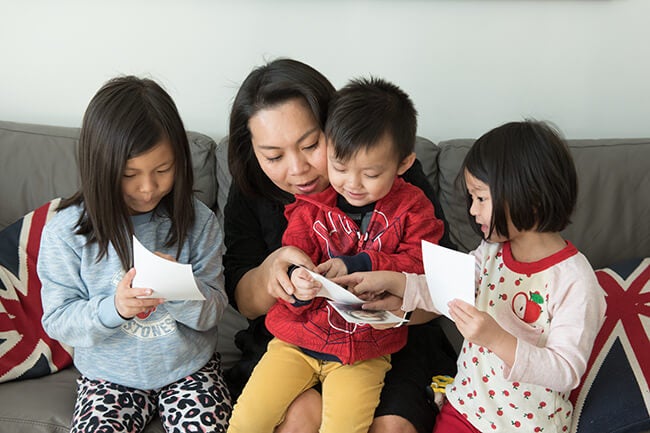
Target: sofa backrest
[610,222]
[38,163]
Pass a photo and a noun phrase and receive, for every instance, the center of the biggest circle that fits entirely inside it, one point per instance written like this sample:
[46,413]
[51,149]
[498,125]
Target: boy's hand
[306,287]
[127,301]
[332,268]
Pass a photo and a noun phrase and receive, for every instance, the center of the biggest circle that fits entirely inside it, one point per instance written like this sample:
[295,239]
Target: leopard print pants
[199,402]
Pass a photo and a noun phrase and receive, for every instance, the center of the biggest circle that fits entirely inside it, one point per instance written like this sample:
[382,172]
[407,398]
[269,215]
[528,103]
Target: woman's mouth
[307,188]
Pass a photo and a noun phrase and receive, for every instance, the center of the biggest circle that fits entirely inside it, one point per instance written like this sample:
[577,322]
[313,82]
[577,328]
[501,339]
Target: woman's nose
[298,164]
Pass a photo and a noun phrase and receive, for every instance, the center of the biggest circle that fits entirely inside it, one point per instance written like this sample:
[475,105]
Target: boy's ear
[406,164]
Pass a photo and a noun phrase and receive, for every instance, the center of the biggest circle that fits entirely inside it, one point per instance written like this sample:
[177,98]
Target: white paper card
[331,290]
[170,280]
[449,274]
[349,306]
[353,313]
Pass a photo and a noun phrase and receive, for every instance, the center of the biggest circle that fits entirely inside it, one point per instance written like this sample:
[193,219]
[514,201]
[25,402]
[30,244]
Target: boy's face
[368,175]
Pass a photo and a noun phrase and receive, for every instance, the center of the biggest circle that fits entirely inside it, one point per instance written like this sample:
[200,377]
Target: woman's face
[290,147]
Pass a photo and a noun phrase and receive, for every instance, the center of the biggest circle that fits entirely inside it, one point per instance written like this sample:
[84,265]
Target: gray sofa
[37,164]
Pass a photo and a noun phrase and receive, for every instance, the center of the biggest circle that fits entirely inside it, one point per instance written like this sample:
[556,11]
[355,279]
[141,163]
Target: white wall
[469,65]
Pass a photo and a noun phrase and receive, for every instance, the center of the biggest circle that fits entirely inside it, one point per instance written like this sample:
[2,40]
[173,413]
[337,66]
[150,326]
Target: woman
[277,149]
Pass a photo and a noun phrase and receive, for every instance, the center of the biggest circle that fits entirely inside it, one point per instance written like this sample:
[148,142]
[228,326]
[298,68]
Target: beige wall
[469,65]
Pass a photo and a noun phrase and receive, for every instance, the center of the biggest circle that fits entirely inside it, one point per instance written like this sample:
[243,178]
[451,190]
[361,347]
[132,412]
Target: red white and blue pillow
[26,351]
[614,394]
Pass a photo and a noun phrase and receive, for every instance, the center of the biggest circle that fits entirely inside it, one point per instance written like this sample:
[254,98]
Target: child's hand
[387,302]
[332,268]
[305,285]
[382,326]
[480,328]
[371,285]
[127,303]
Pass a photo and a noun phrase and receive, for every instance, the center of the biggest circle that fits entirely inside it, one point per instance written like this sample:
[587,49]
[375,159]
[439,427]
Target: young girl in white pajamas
[538,304]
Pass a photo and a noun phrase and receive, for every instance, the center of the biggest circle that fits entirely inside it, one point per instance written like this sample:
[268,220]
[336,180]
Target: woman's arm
[255,266]
[259,288]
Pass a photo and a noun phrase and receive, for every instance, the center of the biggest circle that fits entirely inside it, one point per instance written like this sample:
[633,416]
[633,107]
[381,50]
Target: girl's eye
[312,146]
[166,170]
[129,175]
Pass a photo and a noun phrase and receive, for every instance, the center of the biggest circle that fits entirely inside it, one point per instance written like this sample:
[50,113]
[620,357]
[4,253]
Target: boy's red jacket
[392,241]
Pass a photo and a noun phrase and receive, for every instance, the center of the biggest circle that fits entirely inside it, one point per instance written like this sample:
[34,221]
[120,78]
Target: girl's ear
[406,164]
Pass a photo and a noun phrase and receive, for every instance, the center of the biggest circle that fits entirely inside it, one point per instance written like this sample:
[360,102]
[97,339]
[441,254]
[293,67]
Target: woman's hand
[480,328]
[127,299]
[273,271]
[305,286]
[374,285]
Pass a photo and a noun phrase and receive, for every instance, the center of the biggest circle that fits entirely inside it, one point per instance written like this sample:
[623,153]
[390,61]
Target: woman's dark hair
[531,175]
[366,110]
[127,117]
[267,86]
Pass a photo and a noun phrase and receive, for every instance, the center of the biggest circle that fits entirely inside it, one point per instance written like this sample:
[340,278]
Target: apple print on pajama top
[480,391]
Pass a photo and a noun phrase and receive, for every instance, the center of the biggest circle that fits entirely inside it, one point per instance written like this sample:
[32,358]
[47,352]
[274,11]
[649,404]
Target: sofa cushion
[45,405]
[41,162]
[26,351]
[614,393]
[427,153]
[610,222]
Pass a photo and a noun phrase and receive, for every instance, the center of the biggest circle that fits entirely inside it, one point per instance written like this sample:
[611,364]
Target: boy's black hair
[531,175]
[366,110]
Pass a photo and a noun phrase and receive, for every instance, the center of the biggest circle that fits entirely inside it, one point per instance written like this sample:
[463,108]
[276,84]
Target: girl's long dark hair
[127,117]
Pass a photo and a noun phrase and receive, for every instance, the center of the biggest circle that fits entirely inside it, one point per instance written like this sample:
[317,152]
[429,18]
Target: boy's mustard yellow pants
[350,392]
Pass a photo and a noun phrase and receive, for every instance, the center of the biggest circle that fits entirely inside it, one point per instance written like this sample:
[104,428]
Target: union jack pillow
[614,394]
[26,351]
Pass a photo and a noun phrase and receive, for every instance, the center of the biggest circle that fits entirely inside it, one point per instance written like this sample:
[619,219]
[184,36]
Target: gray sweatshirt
[175,340]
